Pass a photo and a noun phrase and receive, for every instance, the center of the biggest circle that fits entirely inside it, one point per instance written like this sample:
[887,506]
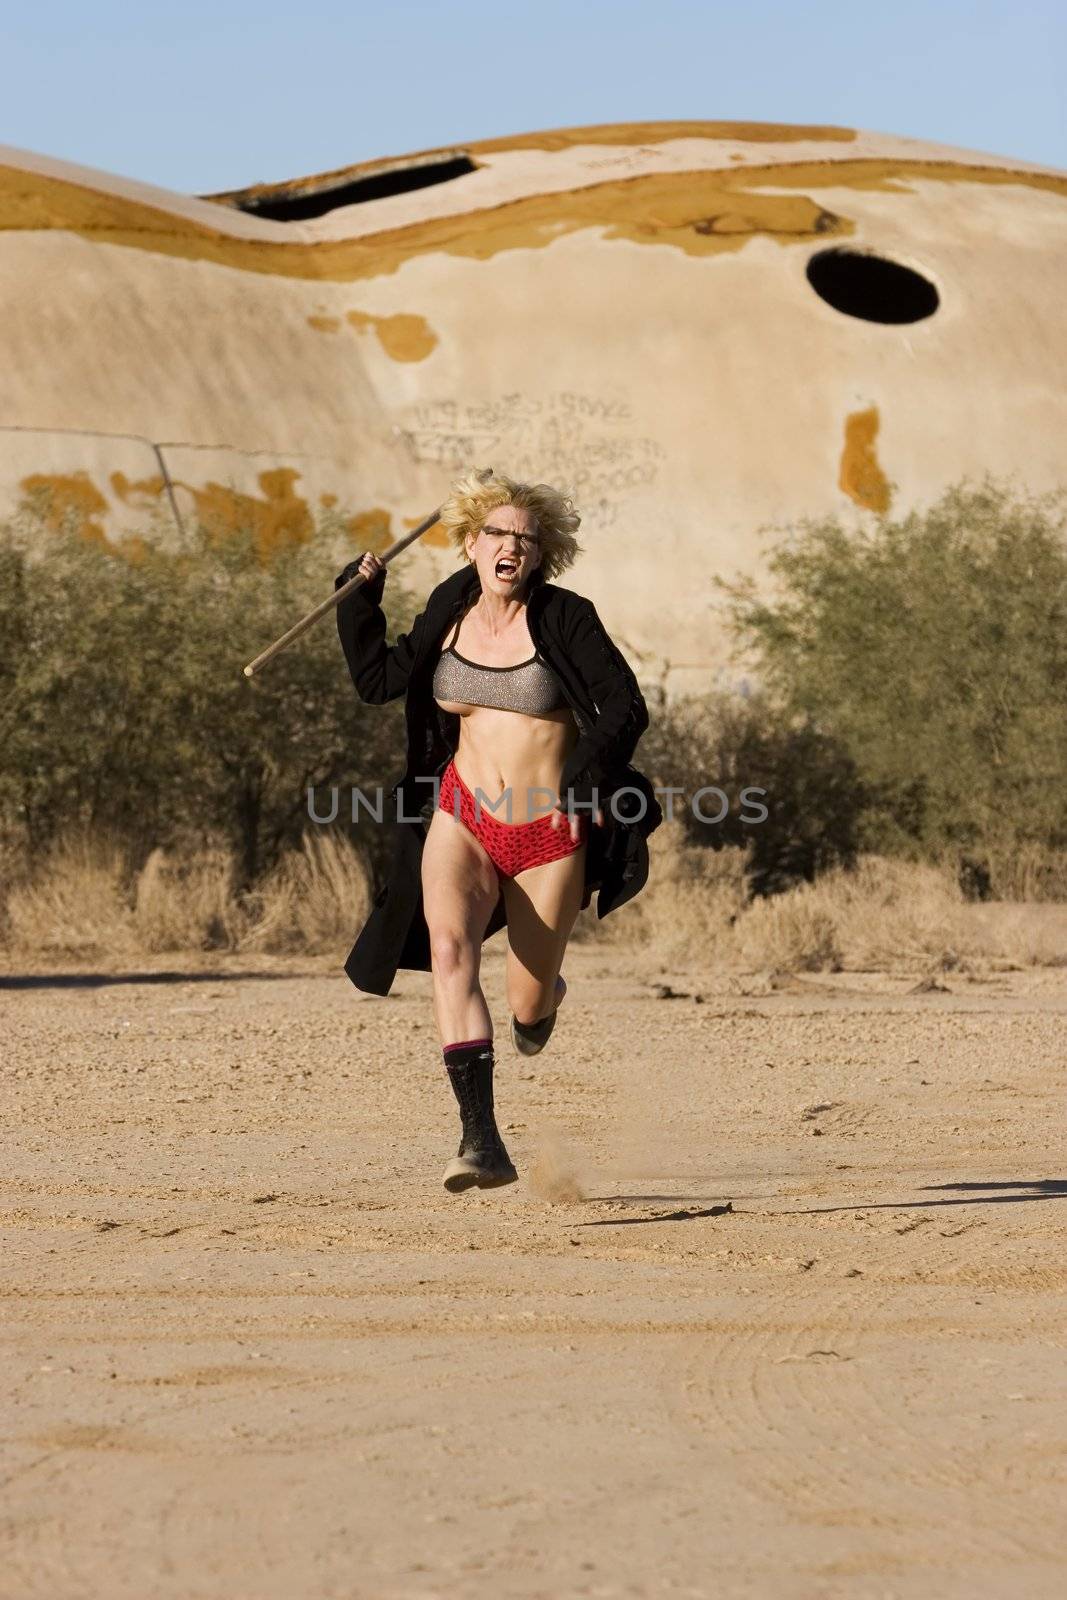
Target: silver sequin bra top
[531,686]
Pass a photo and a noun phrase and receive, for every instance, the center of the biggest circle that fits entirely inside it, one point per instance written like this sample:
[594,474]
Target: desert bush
[805,779]
[932,650]
[123,705]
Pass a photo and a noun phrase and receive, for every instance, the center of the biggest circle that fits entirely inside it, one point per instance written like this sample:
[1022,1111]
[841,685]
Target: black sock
[467,1051]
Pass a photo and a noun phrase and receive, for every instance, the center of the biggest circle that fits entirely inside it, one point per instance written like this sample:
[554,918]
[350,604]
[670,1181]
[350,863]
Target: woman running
[523,715]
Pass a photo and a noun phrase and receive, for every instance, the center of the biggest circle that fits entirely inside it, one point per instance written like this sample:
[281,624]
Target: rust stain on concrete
[699,212]
[404,336]
[71,504]
[370,530]
[861,477]
[637,133]
[143,493]
[277,521]
[434,535]
[67,502]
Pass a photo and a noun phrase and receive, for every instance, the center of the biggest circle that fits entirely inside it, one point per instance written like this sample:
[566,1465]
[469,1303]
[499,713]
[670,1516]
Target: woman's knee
[451,952]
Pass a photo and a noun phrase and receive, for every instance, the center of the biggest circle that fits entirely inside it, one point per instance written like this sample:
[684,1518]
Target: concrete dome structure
[701,328]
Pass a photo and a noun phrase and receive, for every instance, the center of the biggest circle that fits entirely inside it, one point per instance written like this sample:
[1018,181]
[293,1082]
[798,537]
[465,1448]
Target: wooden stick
[338,595]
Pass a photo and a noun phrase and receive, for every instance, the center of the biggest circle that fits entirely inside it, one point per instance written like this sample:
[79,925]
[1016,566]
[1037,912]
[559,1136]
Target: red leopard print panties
[512,847]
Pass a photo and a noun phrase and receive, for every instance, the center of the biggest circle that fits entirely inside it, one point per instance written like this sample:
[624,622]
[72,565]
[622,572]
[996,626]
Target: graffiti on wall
[584,443]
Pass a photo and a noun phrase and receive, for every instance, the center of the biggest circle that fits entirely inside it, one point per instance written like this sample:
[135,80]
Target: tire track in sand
[891,1406]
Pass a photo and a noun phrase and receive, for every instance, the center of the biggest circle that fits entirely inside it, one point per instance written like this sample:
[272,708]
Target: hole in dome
[871,287]
[300,203]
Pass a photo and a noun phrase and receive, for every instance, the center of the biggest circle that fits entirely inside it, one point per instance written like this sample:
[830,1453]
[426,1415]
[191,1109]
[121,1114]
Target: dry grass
[895,916]
[689,901]
[885,915]
[187,904]
[83,902]
[791,932]
[74,906]
[692,898]
[1021,935]
[1028,872]
[314,901]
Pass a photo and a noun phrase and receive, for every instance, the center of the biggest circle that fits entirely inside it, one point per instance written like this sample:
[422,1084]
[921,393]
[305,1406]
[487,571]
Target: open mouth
[507,568]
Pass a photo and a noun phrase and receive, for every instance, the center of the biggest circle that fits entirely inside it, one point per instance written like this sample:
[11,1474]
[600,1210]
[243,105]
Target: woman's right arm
[379,671]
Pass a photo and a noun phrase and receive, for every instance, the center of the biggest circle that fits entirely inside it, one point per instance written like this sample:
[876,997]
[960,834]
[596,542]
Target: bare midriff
[500,751]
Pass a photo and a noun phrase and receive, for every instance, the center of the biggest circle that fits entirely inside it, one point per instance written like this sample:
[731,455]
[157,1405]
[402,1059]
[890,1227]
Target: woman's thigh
[460,886]
[542,906]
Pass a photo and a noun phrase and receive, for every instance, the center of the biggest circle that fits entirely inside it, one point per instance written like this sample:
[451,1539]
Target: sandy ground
[798,1331]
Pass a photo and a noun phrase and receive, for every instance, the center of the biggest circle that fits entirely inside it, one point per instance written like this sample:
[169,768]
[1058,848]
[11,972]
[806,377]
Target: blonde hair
[471,500]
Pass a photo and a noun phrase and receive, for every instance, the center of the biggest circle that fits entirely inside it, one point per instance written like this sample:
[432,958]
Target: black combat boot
[482,1159]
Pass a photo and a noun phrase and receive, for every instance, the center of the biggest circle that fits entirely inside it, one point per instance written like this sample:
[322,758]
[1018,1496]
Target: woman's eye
[527,541]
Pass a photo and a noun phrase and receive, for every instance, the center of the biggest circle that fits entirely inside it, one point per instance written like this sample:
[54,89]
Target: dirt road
[776,1308]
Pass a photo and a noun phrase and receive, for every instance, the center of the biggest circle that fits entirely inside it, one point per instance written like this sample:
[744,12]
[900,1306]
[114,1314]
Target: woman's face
[506,550]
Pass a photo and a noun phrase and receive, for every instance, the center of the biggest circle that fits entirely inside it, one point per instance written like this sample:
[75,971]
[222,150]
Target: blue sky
[208,96]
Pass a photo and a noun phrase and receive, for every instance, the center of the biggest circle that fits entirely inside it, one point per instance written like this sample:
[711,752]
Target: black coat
[610,712]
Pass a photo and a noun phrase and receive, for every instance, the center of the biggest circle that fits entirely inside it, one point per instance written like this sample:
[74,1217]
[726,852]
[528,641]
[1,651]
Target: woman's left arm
[622,715]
